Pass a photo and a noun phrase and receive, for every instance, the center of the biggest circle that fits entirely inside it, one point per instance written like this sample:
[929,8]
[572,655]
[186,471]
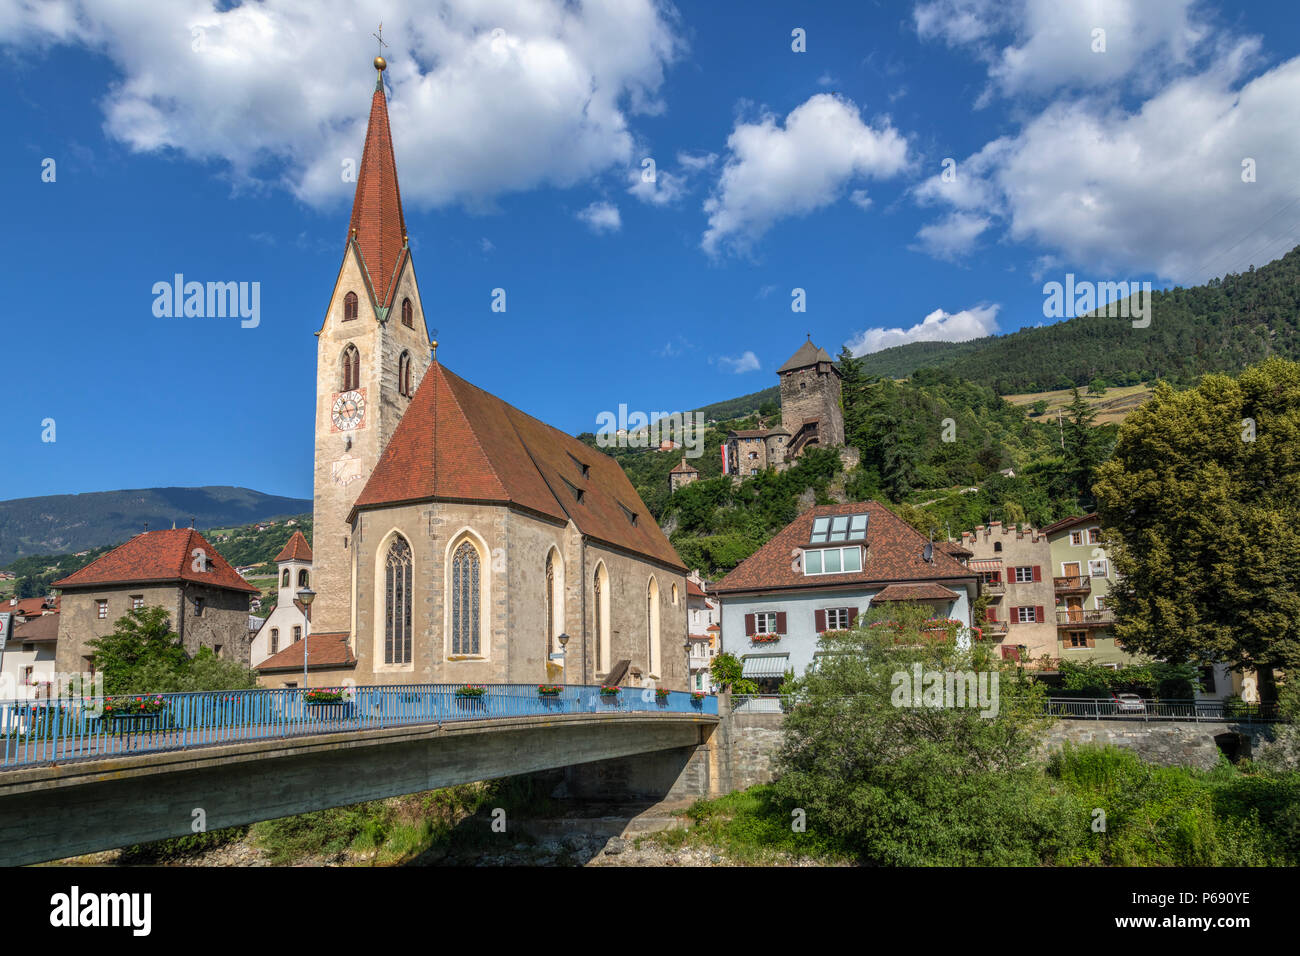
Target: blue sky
[208,141]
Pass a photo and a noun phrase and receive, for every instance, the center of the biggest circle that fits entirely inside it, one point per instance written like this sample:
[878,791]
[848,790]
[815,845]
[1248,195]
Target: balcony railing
[994,628]
[995,587]
[1072,583]
[1079,617]
[1104,708]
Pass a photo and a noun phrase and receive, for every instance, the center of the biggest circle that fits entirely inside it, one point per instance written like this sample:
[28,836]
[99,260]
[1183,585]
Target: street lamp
[564,663]
[306,596]
[687,644]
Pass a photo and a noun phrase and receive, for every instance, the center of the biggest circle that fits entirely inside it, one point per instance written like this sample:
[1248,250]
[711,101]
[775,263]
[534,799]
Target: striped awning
[767,665]
[986,564]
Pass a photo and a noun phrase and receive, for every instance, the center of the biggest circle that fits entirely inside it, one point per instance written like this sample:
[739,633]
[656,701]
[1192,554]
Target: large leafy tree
[1202,507]
[144,655]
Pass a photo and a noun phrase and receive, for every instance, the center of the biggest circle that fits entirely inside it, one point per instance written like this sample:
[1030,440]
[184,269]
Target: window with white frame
[1094,536]
[101,609]
[1025,615]
[838,618]
[1024,575]
[834,528]
[137,602]
[1099,568]
[1101,602]
[1076,538]
[765,622]
[832,560]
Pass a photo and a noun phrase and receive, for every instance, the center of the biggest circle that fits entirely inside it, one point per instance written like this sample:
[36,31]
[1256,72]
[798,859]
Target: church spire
[378,227]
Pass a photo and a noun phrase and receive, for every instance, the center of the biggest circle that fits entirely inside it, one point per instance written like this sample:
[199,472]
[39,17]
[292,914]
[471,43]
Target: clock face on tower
[349,410]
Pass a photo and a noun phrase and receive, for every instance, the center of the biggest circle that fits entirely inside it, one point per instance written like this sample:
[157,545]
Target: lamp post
[306,596]
[564,661]
[687,644]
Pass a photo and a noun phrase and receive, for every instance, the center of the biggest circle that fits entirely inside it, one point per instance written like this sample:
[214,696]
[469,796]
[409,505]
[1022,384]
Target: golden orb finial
[381,64]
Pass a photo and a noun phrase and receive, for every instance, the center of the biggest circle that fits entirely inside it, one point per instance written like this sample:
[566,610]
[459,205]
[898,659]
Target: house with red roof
[27,658]
[455,537]
[178,570]
[702,631]
[821,573]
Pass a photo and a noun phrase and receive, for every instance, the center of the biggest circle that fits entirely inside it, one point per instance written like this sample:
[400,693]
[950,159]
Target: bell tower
[371,352]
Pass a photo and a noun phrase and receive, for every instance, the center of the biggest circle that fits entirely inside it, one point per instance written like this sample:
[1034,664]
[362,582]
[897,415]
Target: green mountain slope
[55,524]
[1221,326]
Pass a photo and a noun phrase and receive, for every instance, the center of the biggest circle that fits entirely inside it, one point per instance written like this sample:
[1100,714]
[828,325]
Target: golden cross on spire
[380,62]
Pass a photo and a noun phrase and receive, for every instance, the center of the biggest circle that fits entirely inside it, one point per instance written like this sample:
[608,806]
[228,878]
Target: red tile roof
[378,227]
[323,651]
[1067,522]
[915,592]
[159,556]
[43,628]
[894,553]
[295,549]
[681,468]
[458,442]
[694,589]
[27,607]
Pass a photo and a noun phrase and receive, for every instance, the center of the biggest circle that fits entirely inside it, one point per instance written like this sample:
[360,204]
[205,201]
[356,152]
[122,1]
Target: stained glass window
[465,600]
[397,603]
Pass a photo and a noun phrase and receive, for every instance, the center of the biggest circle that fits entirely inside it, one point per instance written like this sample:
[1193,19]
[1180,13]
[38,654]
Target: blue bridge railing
[36,732]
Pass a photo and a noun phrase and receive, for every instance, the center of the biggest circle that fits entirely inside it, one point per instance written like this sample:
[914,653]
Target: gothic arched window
[600,590]
[652,626]
[284,578]
[404,374]
[349,307]
[397,602]
[465,603]
[302,578]
[351,368]
[550,602]
[408,314]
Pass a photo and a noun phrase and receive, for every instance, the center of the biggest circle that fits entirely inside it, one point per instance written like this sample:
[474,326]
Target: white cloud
[1156,190]
[602,217]
[696,162]
[666,188]
[938,326]
[280,90]
[485,245]
[860,199]
[1049,45]
[745,362]
[953,236]
[773,172]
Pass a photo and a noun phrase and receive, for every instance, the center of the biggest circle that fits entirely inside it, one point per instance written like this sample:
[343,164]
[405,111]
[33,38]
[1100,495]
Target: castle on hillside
[811,414]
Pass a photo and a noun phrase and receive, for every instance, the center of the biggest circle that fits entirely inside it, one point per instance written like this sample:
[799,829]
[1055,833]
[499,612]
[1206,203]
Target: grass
[1111,408]
[749,827]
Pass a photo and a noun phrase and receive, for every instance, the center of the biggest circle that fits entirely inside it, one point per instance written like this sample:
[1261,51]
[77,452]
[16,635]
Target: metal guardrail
[59,730]
[1081,708]
[1216,711]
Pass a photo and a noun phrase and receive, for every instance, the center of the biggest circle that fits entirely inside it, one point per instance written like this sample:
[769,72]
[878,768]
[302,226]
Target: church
[456,538]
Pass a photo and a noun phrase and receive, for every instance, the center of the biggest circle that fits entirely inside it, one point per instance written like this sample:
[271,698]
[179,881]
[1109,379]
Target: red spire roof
[377,225]
[295,549]
[163,556]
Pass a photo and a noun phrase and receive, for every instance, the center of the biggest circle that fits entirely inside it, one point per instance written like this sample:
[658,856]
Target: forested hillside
[55,524]
[1221,326]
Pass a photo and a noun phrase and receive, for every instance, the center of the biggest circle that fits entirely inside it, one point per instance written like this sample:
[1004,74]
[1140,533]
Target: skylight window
[631,515]
[833,528]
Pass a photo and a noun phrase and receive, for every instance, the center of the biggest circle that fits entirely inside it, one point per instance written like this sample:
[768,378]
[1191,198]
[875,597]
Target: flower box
[323,697]
[549,690]
[765,638]
[471,691]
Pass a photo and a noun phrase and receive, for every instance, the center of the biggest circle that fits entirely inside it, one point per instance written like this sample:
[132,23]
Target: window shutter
[1039,616]
[1013,615]
[853,616]
[749,625]
[990,615]
[780,622]
[1038,573]
[819,618]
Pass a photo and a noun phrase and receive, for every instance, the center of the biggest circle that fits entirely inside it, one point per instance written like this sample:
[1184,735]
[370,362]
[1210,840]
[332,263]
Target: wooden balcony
[995,588]
[994,629]
[1073,584]
[1079,617]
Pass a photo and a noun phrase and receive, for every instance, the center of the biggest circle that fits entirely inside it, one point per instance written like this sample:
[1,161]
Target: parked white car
[1129,703]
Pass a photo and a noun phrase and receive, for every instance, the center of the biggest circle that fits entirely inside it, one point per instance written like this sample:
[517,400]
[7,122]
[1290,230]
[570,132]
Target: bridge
[77,776]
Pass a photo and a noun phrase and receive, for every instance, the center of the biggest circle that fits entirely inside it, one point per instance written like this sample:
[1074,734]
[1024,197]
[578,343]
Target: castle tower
[293,567]
[371,352]
[682,475]
[810,400]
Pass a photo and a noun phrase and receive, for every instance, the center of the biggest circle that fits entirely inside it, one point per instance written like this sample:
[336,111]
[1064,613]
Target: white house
[820,573]
[287,624]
